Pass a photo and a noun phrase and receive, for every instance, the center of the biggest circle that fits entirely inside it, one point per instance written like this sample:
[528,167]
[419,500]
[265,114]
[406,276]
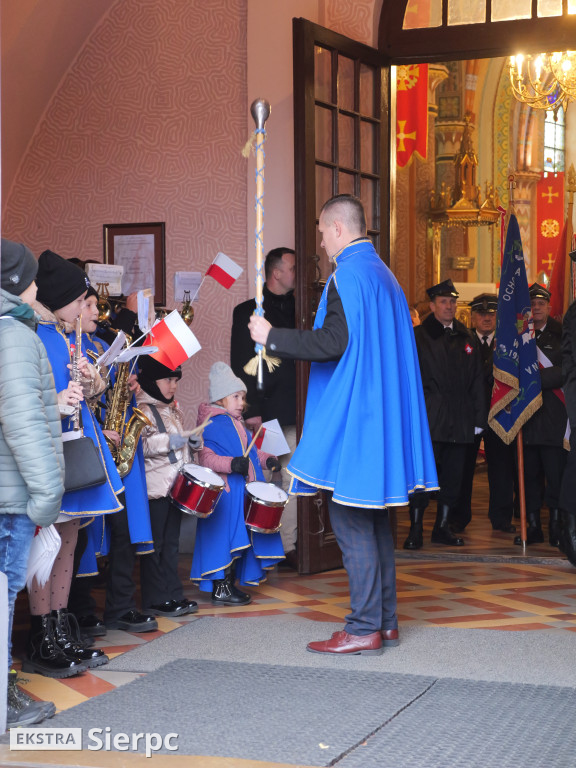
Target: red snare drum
[263,506]
[196,490]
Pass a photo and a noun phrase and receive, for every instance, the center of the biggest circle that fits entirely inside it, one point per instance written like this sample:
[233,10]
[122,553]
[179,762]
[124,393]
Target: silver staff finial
[260,111]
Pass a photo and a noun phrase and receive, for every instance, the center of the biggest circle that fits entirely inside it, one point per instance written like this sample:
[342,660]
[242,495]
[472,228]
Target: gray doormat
[251,711]
[474,654]
[464,724]
[322,717]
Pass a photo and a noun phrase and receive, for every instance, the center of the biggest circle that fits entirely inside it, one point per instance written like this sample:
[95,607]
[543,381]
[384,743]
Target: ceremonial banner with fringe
[549,218]
[517,391]
[559,302]
[411,112]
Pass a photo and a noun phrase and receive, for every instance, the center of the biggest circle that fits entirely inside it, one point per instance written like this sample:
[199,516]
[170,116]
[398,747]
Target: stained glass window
[554,131]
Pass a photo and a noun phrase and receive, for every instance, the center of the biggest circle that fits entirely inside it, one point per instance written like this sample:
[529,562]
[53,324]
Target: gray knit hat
[19,267]
[223,382]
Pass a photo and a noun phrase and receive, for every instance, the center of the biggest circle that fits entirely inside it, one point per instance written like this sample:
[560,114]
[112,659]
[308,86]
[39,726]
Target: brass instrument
[107,306]
[117,401]
[187,311]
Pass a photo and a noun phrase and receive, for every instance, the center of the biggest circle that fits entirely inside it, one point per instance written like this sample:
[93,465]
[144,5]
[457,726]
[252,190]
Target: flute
[76,375]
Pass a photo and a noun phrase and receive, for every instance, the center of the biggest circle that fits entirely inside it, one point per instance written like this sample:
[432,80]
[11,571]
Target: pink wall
[147,125]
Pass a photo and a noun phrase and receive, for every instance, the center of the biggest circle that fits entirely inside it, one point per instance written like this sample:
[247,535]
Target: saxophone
[117,401]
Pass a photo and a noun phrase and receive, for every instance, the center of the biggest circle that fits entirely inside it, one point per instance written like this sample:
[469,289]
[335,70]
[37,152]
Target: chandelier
[545,80]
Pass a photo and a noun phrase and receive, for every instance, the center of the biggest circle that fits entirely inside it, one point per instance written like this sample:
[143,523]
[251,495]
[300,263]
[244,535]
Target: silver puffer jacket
[31,458]
[160,474]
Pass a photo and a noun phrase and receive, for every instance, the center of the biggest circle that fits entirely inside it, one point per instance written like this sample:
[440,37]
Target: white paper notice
[136,254]
[274,441]
[106,273]
[187,281]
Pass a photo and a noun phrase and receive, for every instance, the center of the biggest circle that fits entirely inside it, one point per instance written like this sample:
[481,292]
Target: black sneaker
[169,608]
[91,625]
[133,622]
[191,605]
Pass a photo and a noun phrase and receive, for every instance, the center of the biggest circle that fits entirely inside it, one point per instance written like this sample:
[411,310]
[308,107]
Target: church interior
[131,112]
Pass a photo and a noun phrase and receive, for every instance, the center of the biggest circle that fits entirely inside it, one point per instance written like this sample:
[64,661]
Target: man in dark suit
[278,400]
[545,432]
[451,369]
[499,456]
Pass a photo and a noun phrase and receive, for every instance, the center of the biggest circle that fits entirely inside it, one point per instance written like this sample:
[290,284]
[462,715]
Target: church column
[525,205]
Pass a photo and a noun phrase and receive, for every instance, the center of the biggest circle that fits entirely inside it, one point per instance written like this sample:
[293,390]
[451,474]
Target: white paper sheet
[113,351]
[129,354]
[274,441]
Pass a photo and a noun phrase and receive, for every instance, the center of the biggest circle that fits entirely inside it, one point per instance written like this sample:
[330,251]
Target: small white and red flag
[224,270]
[175,341]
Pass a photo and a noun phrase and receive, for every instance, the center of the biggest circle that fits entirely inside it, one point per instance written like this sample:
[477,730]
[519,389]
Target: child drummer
[167,447]
[225,549]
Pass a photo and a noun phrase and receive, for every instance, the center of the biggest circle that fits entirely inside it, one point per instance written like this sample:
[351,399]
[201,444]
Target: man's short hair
[349,210]
[273,258]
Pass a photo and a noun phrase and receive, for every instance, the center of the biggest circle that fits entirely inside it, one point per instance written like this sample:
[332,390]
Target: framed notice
[140,249]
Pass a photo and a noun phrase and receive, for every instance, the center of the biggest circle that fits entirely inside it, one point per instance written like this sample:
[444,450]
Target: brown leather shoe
[390,638]
[342,642]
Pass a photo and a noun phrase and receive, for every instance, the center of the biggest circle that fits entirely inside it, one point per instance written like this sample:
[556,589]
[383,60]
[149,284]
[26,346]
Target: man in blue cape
[365,439]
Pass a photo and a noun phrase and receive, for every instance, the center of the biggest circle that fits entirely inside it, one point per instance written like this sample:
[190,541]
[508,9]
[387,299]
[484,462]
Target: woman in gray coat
[31,459]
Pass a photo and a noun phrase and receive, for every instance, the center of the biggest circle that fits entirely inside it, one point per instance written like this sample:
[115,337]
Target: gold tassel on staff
[260,111]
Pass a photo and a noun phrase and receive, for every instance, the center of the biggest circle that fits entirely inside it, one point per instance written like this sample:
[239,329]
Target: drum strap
[161,428]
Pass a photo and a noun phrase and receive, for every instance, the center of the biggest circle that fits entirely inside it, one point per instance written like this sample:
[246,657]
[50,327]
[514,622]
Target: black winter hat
[59,281]
[18,265]
[150,370]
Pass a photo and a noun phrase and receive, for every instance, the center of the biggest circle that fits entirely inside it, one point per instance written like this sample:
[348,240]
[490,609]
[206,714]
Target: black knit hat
[59,281]
[19,267]
[92,292]
[150,370]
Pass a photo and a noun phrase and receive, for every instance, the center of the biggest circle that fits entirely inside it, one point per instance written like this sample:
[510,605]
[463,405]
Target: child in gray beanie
[225,549]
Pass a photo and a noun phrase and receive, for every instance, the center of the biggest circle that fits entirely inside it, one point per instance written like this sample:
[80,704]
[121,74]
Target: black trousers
[568,487]
[120,586]
[502,480]
[159,570]
[449,458]
[549,461]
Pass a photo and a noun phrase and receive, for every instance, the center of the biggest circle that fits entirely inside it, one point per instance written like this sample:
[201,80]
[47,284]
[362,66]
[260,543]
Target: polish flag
[175,341]
[224,270]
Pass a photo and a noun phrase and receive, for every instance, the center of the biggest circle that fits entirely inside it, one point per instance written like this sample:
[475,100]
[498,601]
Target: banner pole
[521,489]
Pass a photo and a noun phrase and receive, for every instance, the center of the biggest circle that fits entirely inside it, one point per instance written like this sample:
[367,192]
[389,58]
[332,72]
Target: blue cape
[135,494]
[223,537]
[102,498]
[366,435]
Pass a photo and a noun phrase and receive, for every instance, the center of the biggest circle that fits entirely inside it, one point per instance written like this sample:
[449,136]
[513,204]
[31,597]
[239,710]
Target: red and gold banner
[411,112]
[549,220]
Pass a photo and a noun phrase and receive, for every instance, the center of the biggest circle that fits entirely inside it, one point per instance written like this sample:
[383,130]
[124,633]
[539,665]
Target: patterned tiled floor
[511,595]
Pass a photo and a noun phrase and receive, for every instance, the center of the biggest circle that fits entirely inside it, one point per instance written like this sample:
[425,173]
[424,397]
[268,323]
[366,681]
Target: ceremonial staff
[260,111]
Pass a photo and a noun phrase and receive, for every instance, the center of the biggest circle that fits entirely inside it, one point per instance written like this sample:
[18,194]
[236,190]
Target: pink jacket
[221,464]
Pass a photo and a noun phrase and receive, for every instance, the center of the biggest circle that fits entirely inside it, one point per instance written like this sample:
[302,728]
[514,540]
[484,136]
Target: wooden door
[341,143]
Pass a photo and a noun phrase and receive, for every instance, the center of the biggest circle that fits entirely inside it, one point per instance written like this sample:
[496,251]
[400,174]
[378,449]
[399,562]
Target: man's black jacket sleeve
[321,345]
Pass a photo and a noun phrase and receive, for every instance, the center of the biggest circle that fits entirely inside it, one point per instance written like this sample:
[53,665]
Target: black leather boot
[568,536]
[44,655]
[225,593]
[415,539]
[441,533]
[67,636]
[534,534]
[554,528]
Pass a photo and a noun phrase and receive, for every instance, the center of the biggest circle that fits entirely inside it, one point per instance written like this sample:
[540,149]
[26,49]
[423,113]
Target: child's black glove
[240,464]
[273,464]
